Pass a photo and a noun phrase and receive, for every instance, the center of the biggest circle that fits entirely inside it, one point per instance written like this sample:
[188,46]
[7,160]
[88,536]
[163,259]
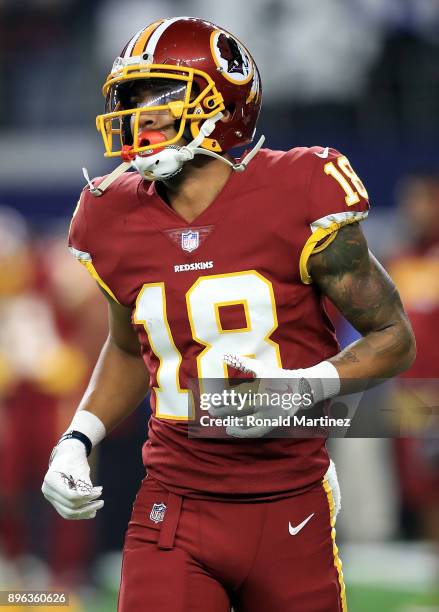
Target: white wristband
[88,424]
[324,380]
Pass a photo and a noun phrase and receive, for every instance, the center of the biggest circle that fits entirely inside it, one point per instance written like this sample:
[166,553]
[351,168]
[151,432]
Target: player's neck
[195,187]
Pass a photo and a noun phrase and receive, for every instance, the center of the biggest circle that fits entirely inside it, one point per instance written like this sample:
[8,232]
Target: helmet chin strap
[169,161]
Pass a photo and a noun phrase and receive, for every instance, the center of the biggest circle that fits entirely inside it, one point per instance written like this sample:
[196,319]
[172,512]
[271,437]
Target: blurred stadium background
[359,75]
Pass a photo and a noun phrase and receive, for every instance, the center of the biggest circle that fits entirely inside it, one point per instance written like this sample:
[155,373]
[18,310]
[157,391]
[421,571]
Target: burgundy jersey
[235,280]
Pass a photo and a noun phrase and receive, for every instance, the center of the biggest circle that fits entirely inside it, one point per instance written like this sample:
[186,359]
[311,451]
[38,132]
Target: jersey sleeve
[78,242]
[77,239]
[336,197]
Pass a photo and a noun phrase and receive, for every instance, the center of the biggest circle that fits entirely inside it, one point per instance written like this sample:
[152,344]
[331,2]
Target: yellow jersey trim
[86,260]
[337,560]
[326,230]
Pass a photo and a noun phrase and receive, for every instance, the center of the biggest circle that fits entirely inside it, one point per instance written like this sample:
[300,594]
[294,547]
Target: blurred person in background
[416,272]
[42,370]
[173,208]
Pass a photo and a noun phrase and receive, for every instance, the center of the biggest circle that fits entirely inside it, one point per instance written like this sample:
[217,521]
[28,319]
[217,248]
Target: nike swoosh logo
[295,530]
[324,153]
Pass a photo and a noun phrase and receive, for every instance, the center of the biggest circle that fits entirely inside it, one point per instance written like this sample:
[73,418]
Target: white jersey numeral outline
[352,196]
[204,300]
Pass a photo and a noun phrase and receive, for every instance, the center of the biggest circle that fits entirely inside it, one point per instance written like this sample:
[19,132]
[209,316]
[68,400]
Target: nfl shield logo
[157,513]
[190,241]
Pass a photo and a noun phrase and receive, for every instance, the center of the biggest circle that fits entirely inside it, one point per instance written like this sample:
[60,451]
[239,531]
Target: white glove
[312,384]
[67,485]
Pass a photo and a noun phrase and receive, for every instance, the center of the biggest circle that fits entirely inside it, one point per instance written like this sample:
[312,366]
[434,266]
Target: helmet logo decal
[231,57]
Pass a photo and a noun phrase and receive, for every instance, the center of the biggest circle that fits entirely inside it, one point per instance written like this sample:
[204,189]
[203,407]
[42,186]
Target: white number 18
[204,301]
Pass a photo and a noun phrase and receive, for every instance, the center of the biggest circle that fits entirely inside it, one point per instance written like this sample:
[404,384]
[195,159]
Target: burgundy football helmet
[187,67]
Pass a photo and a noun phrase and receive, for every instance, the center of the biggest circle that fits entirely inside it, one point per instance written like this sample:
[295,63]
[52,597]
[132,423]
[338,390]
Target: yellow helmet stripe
[144,37]
[129,47]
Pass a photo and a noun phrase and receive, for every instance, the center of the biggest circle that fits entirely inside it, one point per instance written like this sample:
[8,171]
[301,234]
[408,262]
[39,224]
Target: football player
[201,256]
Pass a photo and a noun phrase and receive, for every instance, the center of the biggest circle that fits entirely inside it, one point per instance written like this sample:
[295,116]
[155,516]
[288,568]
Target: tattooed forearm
[350,276]
[349,356]
[354,281]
